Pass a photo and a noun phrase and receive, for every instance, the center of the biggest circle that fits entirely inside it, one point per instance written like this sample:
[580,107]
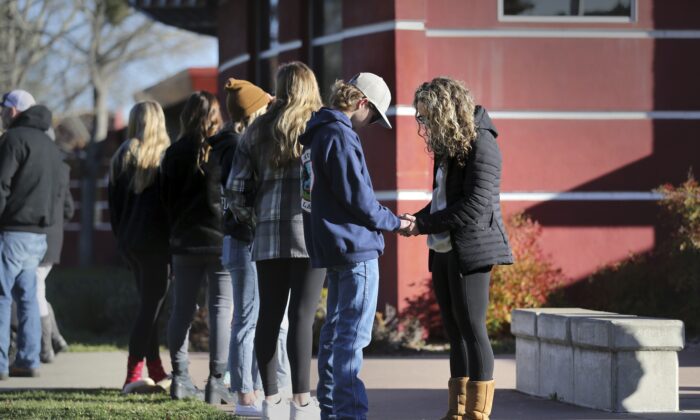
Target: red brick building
[597,101]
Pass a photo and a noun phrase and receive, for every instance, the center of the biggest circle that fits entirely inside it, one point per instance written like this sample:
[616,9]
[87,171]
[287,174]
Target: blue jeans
[190,272]
[20,254]
[352,302]
[245,376]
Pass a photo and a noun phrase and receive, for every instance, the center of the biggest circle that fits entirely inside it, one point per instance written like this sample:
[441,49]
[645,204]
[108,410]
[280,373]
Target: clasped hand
[408,225]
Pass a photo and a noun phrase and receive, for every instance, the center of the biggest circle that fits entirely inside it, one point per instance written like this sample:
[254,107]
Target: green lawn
[100,404]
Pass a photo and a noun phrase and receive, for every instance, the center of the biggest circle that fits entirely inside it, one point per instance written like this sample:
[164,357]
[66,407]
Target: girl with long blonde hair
[138,221]
[191,191]
[466,236]
[264,192]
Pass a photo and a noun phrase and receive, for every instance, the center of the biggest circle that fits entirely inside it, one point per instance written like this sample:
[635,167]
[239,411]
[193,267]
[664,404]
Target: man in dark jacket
[343,234]
[29,188]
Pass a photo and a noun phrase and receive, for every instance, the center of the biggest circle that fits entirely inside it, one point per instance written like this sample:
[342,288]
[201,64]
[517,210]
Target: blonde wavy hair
[240,126]
[147,142]
[296,98]
[344,96]
[449,127]
[200,119]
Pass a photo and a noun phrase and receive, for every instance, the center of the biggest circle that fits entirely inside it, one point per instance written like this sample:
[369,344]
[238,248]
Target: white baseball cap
[376,91]
[21,100]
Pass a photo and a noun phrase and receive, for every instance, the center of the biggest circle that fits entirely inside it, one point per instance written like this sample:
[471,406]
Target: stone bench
[595,359]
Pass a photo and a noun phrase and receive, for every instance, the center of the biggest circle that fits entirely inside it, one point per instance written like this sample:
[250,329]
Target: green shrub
[530,282]
[681,206]
[659,283]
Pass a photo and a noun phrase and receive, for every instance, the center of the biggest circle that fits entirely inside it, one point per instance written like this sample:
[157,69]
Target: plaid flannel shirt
[268,199]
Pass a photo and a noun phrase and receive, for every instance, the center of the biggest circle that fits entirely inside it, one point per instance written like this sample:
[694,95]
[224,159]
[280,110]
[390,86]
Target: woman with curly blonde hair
[465,232]
[264,192]
[138,222]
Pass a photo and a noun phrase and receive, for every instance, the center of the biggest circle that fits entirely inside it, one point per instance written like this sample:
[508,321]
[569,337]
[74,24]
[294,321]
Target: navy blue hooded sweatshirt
[342,219]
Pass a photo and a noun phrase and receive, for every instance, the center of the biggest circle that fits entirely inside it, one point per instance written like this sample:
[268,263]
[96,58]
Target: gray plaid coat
[268,199]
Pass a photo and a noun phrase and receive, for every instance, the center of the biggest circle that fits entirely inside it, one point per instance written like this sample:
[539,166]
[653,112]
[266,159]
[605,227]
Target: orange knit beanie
[244,98]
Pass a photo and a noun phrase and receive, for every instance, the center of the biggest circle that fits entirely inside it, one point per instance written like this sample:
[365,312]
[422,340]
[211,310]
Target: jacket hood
[38,117]
[217,141]
[323,116]
[483,121]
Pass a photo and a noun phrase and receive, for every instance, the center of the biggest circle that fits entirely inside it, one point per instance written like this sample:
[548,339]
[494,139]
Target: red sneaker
[134,382]
[156,371]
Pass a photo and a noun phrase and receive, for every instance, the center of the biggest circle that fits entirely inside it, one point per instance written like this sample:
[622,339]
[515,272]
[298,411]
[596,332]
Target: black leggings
[463,300]
[151,274]
[276,278]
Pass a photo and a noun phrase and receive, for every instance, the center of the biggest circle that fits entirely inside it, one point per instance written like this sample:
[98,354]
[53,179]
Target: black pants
[151,274]
[463,300]
[276,279]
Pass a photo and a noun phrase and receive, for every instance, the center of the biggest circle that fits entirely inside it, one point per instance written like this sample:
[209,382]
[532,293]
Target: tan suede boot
[479,400]
[457,388]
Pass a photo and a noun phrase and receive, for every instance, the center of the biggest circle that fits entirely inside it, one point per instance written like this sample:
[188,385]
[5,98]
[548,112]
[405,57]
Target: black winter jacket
[473,213]
[29,162]
[138,220]
[192,200]
[224,145]
[63,212]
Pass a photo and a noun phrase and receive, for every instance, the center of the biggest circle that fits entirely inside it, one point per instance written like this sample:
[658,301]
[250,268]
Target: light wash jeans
[20,254]
[190,272]
[242,364]
[352,303]
[42,272]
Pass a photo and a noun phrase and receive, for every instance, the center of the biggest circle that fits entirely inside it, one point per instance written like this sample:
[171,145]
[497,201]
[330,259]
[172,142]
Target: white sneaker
[279,411]
[253,410]
[144,385]
[310,411]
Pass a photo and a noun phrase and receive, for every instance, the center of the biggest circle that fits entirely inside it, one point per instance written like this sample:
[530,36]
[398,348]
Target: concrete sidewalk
[399,388]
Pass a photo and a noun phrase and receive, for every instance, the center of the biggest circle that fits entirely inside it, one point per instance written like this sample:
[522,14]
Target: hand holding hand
[408,225]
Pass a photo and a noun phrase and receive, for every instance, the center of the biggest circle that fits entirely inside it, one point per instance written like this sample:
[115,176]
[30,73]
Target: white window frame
[568,19]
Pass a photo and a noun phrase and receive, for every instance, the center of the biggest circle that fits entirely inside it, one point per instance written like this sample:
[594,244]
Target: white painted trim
[568,19]
[409,111]
[392,25]
[401,111]
[595,115]
[240,59]
[280,48]
[563,33]
[424,196]
[582,196]
[403,195]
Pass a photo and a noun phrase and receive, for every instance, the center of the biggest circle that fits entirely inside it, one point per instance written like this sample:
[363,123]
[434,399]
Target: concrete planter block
[555,326]
[557,374]
[596,359]
[647,381]
[524,321]
[593,381]
[622,332]
[527,366]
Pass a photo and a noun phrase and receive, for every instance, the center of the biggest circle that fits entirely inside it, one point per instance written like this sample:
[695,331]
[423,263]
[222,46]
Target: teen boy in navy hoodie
[343,224]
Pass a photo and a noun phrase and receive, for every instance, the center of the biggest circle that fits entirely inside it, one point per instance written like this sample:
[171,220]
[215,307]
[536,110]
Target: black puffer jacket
[473,213]
[29,162]
[138,220]
[192,200]
[224,145]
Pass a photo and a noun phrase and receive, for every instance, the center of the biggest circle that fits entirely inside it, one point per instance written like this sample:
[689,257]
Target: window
[568,10]
[327,58]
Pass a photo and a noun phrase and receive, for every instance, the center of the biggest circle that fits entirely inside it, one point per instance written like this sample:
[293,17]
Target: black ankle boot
[182,387]
[217,392]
